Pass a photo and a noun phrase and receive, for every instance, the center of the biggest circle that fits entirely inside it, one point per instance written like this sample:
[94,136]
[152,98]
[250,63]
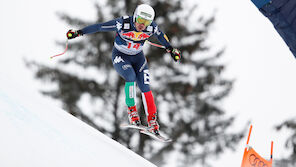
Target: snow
[35,133]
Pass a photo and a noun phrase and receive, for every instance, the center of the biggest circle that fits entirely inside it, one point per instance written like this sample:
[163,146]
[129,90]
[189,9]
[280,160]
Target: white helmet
[145,11]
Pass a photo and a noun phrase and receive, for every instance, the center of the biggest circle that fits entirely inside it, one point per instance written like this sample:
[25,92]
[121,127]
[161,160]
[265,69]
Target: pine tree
[290,143]
[188,94]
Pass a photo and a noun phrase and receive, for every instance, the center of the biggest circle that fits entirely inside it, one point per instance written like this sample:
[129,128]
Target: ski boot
[133,116]
[153,126]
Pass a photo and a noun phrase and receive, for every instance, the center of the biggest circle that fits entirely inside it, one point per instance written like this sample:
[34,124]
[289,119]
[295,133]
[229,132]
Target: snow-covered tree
[290,143]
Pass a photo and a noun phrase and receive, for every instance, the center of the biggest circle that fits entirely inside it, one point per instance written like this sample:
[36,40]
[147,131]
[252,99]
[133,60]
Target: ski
[156,136]
[140,127]
[144,130]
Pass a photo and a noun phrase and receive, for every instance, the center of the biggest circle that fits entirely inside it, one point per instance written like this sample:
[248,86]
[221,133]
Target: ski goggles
[141,20]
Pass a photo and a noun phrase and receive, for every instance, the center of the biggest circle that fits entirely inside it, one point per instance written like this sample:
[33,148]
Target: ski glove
[73,34]
[175,53]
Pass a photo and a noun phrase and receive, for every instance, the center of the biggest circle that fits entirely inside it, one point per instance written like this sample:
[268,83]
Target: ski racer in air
[129,60]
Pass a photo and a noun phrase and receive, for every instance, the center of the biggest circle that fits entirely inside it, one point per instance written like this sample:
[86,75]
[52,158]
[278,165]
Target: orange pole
[245,151]
[271,152]
[249,134]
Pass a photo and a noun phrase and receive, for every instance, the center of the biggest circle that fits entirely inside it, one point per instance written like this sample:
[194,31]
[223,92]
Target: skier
[128,58]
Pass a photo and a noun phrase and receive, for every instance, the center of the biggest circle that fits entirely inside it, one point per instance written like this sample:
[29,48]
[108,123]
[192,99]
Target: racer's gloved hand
[175,53]
[73,34]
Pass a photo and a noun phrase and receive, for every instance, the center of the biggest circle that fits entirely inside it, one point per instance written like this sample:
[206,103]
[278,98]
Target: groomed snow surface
[34,133]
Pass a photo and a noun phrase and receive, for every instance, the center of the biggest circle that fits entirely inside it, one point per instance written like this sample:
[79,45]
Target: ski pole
[150,43]
[63,52]
[176,58]
[156,45]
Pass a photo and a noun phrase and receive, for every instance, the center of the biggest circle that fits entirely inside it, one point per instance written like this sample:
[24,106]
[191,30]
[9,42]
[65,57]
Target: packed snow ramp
[34,133]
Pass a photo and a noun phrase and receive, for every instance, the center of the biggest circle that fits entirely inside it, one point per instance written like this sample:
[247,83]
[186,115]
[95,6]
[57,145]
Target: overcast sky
[256,57]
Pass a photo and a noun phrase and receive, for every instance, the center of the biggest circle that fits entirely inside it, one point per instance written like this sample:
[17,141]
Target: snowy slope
[33,133]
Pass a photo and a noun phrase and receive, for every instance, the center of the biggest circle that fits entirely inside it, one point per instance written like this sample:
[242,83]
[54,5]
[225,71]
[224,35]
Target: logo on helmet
[146,14]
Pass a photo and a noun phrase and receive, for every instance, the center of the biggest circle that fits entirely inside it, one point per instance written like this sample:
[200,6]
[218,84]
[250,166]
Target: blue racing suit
[129,61]
[127,54]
